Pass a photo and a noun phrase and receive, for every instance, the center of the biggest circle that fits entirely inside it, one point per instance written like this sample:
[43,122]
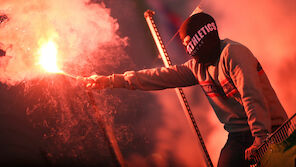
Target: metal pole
[167,62]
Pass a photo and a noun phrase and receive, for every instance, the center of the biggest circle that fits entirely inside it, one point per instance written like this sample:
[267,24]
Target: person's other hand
[251,152]
[95,81]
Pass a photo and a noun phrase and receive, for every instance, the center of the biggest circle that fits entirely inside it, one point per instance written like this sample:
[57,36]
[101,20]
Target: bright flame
[48,57]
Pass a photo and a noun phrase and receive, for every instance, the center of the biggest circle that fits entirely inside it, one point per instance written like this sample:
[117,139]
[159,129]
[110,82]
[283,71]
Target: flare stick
[69,75]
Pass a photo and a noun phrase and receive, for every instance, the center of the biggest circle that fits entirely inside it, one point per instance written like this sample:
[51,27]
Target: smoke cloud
[84,33]
[87,41]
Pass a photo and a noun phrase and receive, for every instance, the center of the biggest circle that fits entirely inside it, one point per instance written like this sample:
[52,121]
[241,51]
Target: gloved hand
[96,81]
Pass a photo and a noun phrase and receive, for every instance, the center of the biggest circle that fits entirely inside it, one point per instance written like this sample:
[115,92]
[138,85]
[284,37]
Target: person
[232,79]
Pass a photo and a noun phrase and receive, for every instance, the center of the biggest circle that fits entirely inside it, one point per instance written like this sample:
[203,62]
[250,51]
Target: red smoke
[88,42]
[83,32]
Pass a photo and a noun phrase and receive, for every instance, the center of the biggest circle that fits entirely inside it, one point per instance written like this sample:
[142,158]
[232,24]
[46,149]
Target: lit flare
[48,57]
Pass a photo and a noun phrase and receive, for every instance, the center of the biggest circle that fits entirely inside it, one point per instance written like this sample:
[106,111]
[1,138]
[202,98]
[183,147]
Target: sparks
[48,57]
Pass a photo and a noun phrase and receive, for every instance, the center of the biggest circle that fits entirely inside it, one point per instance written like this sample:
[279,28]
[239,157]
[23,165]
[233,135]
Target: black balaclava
[204,45]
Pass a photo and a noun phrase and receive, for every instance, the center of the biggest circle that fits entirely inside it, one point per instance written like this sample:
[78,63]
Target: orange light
[48,57]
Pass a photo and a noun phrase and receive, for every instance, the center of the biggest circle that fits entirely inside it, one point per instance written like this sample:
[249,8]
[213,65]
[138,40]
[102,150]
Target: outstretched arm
[147,79]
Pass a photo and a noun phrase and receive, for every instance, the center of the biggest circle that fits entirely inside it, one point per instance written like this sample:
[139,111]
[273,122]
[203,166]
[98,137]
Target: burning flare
[48,57]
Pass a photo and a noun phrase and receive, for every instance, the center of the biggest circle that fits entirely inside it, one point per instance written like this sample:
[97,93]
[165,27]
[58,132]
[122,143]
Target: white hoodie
[236,87]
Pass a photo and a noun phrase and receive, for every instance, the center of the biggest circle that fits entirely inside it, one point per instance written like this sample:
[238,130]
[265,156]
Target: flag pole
[185,105]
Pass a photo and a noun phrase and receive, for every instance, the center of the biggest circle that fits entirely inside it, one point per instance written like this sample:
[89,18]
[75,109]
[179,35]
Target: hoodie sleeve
[156,78]
[242,67]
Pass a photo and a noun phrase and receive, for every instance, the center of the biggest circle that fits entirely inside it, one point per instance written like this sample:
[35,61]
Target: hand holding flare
[96,81]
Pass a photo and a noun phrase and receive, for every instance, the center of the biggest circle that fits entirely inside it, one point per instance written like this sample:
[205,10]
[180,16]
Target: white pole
[185,105]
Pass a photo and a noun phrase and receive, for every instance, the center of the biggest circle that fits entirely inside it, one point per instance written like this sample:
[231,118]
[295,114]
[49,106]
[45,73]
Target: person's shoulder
[229,45]
[233,49]
[236,53]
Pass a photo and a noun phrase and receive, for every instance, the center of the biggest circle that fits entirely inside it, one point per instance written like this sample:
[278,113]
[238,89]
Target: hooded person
[231,78]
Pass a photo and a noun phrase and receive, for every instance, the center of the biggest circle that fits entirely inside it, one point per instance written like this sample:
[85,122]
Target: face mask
[206,50]
[201,38]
